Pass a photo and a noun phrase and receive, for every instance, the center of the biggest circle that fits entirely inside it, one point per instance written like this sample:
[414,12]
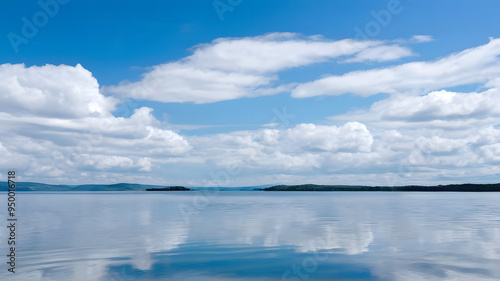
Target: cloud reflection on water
[258,236]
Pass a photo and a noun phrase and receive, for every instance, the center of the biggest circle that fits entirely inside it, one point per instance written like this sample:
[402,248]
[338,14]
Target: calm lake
[254,236]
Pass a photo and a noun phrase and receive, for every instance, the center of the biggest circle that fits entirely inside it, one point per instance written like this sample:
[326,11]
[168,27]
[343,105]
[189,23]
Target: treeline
[170,188]
[450,188]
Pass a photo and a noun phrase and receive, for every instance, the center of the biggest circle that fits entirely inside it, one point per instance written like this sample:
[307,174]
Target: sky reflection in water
[257,236]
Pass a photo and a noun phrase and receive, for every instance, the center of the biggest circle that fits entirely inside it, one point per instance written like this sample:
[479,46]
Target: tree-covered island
[450,188]
[169,188]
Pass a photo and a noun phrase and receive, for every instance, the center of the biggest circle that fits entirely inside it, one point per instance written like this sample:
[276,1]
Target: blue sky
[206,86]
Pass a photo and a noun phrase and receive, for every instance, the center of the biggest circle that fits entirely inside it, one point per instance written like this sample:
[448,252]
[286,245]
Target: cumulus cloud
[443,135]
[422,133]
[441,105]
[301,148]
[475,65]
[66,126]
[53,91]
[438,108]
[232,68]
[351,137]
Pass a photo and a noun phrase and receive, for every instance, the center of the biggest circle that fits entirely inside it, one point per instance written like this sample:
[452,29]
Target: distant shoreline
[32,186]
[171,188]
[415,188]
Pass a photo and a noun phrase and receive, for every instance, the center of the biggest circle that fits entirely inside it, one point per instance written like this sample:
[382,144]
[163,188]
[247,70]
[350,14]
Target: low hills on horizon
[467,187]
[35,186]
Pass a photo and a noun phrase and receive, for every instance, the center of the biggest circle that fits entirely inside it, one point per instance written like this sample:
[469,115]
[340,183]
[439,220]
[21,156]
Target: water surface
[256,236]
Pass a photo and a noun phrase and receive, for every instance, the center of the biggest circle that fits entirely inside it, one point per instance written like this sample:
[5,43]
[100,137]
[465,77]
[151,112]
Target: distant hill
[34,186]
[468,187]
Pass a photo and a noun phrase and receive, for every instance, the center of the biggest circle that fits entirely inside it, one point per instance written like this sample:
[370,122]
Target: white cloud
[272,52]
[297,149]
[421,39]
[56,91]
[382,53]
[490,153]
[59,125]
[351,137]
[476,65]
[441,135]
[416,135]
[232,68]
[441,107]
[177,82]
[271,125]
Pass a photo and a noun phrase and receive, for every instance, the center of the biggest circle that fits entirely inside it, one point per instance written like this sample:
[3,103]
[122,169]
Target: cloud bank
[232,68]
[59,126]
[475,65]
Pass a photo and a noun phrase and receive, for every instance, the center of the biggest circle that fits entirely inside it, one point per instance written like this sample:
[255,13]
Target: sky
[244,93]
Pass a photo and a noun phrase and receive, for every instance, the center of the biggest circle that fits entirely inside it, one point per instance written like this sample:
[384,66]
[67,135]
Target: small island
[450,188]
[170,188]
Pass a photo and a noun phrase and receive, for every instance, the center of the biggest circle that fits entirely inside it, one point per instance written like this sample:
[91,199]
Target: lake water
[255,236]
